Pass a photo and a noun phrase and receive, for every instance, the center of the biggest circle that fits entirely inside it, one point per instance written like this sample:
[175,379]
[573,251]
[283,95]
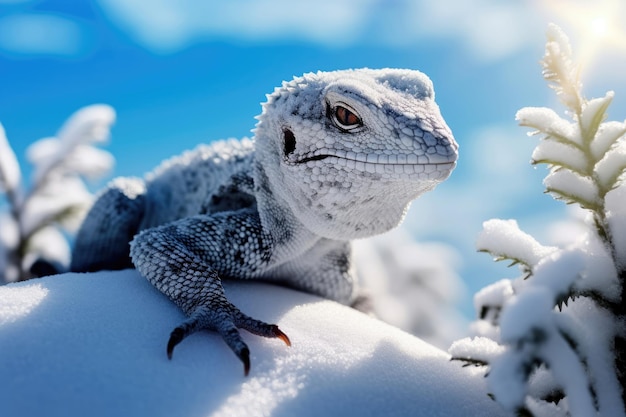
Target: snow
[503,238]
[611,166]
[599,274]
[10,175]
[493,295]
[94,344]
[558,153]
[84,159]
[615,203]
[593,112]
[608,133]
[88,126]
[66,195]
[571,186]
[596,339]
[547,120]
[569,373]
[478,348]
[57,196]
[525,314]
[558,271]
[507,379]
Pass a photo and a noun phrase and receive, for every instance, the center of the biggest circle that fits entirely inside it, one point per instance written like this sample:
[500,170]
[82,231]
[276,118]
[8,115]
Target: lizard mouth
[412,166]
[312,158]
[381,159]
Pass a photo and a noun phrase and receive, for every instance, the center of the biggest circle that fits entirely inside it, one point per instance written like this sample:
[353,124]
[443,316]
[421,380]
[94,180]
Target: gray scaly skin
[336,156]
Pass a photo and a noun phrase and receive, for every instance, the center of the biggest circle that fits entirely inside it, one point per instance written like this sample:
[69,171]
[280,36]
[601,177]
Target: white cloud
[40,34]
[168,25]
[489,28]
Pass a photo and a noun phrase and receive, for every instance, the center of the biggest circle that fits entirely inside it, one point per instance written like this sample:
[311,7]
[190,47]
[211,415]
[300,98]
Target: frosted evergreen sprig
[585,154]
[559,70]
[57,195]
[504,240]
[559,328]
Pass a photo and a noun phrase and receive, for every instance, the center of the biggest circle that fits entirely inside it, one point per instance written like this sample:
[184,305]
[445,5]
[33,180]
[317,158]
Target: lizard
[335,156]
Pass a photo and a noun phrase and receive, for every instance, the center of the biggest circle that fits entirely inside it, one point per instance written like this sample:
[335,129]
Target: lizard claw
[282,336]
[176,337]
[244,355]
[205,319]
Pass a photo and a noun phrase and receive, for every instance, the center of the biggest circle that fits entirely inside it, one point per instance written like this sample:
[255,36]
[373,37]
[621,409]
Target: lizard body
[335,156]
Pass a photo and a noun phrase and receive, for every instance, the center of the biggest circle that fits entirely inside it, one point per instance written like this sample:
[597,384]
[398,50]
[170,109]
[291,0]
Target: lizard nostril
[289,142]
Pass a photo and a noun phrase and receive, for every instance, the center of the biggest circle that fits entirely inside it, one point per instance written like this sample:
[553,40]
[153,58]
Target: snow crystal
[570,185]
[503,238]
[609,168]
[561,154]
[18,302]
[608,133]
[547,121]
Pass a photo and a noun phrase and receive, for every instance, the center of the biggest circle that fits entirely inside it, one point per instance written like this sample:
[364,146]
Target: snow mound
[94,344]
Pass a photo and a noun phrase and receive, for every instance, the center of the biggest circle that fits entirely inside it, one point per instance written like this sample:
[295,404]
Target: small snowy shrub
[553,340]
[31,238]
[420,297]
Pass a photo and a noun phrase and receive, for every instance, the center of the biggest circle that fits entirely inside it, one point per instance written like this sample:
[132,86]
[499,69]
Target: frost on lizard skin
[335,156]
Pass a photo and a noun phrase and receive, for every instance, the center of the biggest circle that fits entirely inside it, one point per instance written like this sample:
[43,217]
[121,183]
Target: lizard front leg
[102,241]
[184,260]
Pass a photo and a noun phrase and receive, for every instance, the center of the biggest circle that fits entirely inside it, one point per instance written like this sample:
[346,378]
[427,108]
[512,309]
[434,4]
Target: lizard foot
[226,320]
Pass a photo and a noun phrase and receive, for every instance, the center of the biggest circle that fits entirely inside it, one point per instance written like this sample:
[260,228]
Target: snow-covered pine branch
[553,339]
[57,195]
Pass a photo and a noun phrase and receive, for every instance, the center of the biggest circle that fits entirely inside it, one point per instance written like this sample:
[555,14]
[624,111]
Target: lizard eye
[345,118]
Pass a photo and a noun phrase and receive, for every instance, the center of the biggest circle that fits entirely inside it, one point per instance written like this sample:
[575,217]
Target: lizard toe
[226,319]
[260,328]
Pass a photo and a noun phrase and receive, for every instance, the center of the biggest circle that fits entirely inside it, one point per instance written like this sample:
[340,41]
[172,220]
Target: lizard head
[347,151]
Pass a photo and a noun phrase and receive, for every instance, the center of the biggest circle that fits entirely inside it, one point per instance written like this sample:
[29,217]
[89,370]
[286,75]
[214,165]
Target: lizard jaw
[416,167]
[378,158]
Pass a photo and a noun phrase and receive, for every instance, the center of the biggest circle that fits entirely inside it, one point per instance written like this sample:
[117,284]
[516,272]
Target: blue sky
[179,73]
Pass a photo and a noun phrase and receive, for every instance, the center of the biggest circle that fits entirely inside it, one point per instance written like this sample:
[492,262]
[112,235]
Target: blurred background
[184,72]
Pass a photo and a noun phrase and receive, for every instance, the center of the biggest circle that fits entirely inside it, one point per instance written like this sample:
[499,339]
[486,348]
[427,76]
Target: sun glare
[593,25]
[599,27]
